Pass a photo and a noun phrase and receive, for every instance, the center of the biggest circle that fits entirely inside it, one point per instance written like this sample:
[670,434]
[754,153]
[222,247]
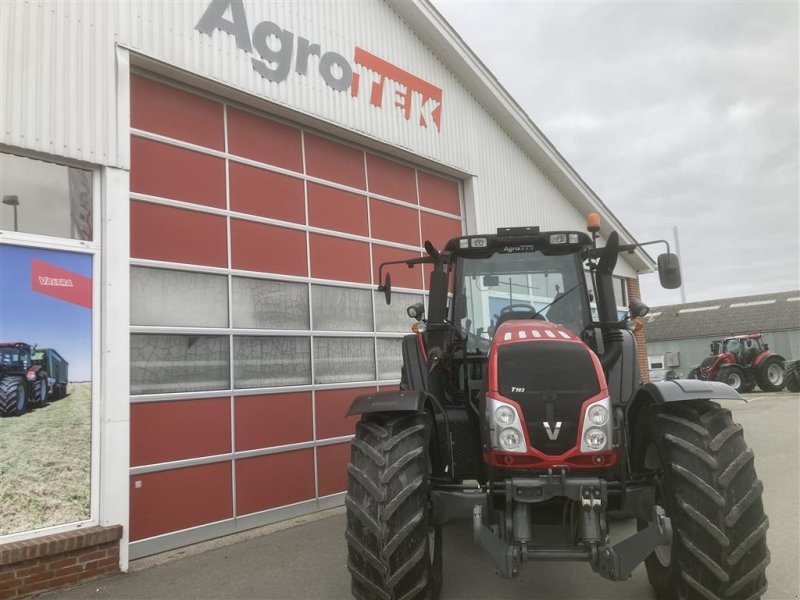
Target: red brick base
[54,561]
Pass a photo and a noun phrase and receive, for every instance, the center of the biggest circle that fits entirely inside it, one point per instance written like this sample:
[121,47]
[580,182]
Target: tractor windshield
[522,281]
[11,356]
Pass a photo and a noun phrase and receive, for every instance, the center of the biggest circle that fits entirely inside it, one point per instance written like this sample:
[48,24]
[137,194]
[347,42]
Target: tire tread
[387,504]
[715,501]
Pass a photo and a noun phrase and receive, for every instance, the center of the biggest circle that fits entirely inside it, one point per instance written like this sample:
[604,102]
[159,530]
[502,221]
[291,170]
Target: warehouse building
[207,189]
[679,336]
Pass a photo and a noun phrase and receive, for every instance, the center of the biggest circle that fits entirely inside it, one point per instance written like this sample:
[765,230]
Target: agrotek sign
[275,49]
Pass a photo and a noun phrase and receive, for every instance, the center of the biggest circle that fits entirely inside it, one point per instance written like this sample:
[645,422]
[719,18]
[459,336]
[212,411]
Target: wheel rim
[734,381]
[775,374]
[431,544]
[20,399]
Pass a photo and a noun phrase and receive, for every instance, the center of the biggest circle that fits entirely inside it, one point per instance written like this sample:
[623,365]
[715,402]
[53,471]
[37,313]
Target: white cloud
[675,113]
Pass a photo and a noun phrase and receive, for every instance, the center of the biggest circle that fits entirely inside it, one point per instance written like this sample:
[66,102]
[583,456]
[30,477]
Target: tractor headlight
[598,415]
[504,423]
[509,438]
[595,438]
[504,415]
[598,427]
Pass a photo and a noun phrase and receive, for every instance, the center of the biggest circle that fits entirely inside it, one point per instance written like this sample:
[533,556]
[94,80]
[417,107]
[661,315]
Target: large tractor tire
[393,550]
[706,482]
[39,391]
[770,375]
[736,377]
[791,376]
[13,396]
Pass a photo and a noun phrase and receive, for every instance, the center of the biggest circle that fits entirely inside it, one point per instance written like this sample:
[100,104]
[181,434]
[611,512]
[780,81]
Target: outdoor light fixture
[638,308]
[12,200]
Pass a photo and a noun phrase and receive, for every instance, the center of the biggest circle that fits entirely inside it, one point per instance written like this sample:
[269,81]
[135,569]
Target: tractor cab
[518,281]
[15,356]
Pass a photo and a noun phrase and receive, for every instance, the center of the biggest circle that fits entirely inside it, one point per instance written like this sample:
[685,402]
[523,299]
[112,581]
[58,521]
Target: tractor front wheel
[770,375]
[706,482]
[13,396]
[39,395]
[393,551]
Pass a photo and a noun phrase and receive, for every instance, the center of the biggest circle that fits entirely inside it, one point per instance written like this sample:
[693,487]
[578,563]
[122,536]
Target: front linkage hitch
[615,562]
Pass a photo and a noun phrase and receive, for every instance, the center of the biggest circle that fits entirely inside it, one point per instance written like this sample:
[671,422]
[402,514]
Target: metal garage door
[255,246]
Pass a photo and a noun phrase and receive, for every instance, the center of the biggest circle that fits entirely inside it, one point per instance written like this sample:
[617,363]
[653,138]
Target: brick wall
[641,342]
[55,561]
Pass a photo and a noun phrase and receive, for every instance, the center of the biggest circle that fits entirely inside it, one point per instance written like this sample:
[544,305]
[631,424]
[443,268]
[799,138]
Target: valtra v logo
[384,84]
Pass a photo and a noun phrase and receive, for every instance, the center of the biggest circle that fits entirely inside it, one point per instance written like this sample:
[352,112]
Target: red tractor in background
[22,381]
[743,361]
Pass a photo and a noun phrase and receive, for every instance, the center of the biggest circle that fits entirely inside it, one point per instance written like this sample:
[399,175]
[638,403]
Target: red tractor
[743,361]
[521,414]
[22,382]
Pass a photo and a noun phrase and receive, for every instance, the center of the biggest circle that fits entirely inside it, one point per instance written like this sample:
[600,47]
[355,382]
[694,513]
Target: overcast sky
[675,113]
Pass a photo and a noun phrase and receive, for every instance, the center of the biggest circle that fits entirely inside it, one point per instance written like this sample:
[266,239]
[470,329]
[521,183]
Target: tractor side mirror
[386,288]
[669,271]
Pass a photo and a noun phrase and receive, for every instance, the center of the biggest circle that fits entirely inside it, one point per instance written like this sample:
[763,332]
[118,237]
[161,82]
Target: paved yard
[308,561]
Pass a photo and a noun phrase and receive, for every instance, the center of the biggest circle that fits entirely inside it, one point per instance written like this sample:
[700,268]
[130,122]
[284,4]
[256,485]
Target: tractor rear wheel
[735,377]
[770,375]
[792,376]
[707,484]
[393,550]
[13,396]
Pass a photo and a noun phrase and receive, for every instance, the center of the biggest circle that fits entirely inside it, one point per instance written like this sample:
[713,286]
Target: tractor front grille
[550,380]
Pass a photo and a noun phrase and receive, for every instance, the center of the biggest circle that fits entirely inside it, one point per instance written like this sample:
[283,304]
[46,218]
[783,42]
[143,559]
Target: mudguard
[388,401]
[677,390]
[765,355]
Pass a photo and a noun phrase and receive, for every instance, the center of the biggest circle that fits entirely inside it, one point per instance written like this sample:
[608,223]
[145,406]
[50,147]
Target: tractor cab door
[752,348]
[732,346]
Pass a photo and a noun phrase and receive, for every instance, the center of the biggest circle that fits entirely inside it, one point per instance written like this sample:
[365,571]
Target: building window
[179,363]
[47,345]
[260,362]
[178,298]
[45,198]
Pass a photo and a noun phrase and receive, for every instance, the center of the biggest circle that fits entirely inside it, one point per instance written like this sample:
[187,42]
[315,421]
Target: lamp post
[12,200]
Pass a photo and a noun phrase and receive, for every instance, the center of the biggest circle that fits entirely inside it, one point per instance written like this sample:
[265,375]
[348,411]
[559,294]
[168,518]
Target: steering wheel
[517,311]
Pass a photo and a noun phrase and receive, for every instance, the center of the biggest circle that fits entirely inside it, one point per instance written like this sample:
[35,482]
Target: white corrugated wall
[58,89]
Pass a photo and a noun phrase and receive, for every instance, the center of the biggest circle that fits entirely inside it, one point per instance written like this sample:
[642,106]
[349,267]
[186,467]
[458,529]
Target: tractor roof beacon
[519,413]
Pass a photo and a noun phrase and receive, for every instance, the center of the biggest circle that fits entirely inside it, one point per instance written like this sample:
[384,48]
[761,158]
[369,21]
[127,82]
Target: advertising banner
[45,387]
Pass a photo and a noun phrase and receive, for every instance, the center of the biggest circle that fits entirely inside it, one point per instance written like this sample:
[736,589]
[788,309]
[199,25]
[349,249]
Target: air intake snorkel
[606,303]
